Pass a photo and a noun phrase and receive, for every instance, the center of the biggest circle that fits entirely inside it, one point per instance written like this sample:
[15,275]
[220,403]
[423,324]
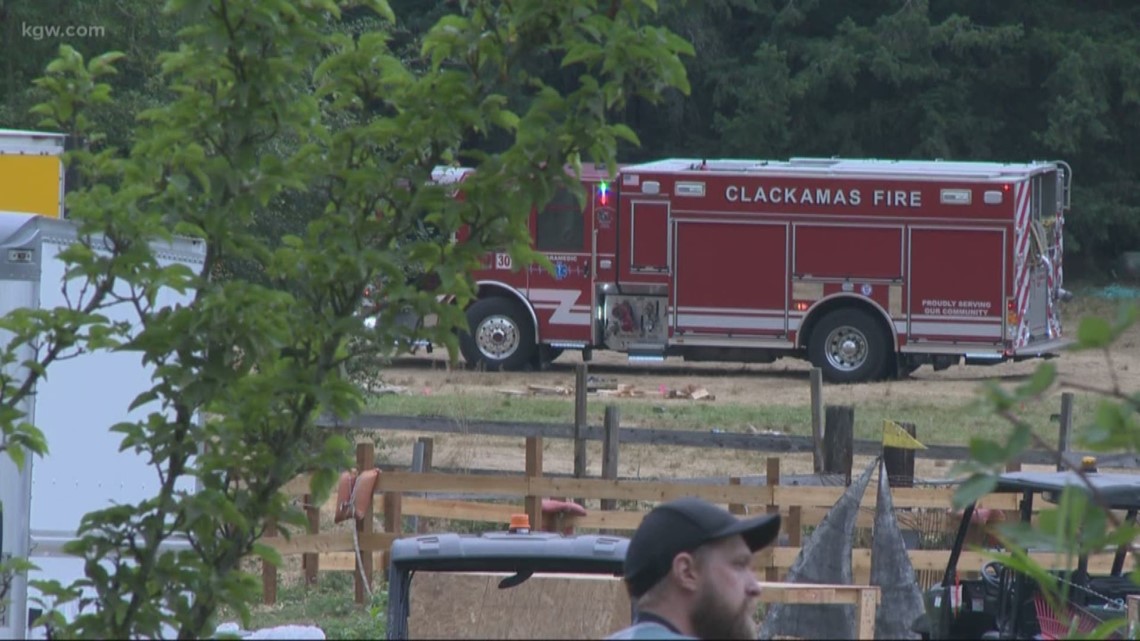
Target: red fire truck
[866,268]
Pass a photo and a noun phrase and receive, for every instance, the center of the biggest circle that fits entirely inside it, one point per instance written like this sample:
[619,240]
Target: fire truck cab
[866,268]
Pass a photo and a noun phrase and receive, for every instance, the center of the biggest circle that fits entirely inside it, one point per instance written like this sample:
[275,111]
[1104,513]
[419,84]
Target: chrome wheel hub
[497,337]
[846,348]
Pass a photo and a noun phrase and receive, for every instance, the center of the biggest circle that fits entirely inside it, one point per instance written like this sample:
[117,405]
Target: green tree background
[1002,81]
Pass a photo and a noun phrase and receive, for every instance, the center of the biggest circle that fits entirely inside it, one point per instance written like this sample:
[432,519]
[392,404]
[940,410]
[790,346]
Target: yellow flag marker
[895,436]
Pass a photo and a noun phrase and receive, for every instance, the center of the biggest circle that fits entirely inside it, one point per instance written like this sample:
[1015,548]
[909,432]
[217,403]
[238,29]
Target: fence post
[268,570]
[311,560]
[735,508]
[417,468]
[839,440]
[795,526]
[772,573]
[365,460]
[817,419]
[610,450]
[1065,428]
[1133,610]
[581,422]
[899,462]
[429,447]
[533,504]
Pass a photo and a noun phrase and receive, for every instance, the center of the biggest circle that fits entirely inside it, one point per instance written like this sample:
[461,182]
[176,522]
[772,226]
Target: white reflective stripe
[729,322]
[955,318]
[1021,247]
[734,311]
[561,301]
[577,308]
[956,329]
[794,323]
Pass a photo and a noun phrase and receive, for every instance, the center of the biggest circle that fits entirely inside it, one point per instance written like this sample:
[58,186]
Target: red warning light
[603,194]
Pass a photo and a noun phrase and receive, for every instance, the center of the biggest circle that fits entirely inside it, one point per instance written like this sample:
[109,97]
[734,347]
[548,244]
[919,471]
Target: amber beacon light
[520,524]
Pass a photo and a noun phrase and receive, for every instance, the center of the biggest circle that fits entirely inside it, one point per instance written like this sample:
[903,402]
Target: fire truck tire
[850,346]
[501,335]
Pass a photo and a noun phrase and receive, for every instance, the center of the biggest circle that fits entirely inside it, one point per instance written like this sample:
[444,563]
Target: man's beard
[715,619]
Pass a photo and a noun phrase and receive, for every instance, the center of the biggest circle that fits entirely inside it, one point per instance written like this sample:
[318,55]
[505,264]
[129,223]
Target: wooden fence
[831,426]
[801,507]
[831,443]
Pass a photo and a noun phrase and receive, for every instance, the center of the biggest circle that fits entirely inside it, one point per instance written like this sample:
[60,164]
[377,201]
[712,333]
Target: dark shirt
[644,617]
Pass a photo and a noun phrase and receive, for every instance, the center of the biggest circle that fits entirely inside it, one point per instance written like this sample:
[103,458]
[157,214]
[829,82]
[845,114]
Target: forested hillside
[954,79]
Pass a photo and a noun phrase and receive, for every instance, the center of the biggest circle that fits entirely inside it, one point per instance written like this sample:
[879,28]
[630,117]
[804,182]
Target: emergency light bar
[603,193]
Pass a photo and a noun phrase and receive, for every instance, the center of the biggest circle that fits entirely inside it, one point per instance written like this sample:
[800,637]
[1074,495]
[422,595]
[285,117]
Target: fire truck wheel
[501,336]
[849,346]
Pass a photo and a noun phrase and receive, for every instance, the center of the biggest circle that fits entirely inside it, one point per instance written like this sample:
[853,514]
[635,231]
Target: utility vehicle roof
[510,552]
[1119,491]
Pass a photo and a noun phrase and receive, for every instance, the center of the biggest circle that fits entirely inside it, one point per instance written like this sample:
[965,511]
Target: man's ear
[686,572]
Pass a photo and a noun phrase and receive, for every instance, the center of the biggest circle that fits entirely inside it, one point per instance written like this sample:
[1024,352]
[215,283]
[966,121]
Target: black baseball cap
[683,525]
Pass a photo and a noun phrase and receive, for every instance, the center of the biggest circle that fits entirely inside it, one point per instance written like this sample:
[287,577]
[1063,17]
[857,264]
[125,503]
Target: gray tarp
[824,558]
[900,600]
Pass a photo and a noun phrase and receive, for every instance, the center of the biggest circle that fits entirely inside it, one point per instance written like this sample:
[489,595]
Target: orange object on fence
[354,494]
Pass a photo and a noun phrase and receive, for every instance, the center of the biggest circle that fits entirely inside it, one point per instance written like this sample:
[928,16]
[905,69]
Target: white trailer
[74,406]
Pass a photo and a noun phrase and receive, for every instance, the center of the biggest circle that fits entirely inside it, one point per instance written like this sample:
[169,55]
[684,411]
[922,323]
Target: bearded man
[688,570]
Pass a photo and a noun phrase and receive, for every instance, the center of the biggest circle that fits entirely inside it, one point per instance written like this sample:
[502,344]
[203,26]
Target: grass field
[328,606]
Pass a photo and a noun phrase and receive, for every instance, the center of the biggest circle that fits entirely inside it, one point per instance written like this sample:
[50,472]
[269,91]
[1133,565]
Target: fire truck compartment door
[848,251]
[1036,314]
[649,237]
[732,278]
[956,285]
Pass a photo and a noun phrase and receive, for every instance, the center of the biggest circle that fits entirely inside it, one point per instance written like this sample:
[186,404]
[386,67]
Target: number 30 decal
[503,261]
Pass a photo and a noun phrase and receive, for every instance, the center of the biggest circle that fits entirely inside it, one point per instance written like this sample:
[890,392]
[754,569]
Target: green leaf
[998,398]
[1019,439]
[267,553]
[986,451]
[1043,377]
[1111,417]
[973,489]
[1094,332]
[382,8]
[16,453]
[625,133]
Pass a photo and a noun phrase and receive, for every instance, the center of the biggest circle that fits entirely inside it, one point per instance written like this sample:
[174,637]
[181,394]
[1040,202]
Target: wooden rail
[865,598]
[677,438]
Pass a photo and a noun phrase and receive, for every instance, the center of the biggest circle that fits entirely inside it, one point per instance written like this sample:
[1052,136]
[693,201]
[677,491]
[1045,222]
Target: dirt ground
[784,382]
